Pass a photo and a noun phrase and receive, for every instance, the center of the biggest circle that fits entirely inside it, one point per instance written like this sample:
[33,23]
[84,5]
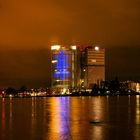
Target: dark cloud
[44,22]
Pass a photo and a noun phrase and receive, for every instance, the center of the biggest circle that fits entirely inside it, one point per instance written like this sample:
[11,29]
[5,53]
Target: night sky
[29,27]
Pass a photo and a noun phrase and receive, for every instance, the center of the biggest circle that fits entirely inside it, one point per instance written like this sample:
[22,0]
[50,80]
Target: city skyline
[35,70]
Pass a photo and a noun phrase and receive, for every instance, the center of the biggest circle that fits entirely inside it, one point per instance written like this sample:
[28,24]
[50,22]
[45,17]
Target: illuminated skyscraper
[93,68]
[65,68]
[75,69]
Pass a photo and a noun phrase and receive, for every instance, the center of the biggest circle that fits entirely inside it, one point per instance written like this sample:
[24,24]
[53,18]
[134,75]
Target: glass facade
[75,69]
[61,68]
[65,68]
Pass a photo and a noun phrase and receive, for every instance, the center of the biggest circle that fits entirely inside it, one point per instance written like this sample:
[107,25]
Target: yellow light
[64,90]
[96,48]
[93,60]
[137,87]
[73,47]
[55,47]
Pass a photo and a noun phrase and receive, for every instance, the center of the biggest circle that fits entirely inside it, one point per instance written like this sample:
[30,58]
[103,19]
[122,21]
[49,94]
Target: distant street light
[96,48]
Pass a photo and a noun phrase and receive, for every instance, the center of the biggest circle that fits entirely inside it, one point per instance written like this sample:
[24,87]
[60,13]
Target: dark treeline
[113,87]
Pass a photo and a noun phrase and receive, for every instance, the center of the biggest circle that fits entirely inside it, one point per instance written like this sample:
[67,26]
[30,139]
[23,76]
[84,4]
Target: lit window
[55,47]
[93,60]
[54,61]
[73,47]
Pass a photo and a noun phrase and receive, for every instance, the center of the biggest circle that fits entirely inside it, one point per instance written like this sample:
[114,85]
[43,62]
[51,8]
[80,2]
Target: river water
[70,118]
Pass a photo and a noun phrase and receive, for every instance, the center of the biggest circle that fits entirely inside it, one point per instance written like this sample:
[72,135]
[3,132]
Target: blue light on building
[62,66]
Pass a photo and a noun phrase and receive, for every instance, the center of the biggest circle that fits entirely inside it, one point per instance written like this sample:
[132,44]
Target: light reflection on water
[137,109]
[70,118]
[137,127]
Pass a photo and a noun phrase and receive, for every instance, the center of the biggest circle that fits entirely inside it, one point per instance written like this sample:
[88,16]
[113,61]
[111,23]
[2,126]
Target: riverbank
[71,94]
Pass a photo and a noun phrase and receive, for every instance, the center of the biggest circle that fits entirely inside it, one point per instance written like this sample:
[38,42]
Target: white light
[55,47]
[54,61]
[57,80]
[10,95]
[73,47]
[96,48]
